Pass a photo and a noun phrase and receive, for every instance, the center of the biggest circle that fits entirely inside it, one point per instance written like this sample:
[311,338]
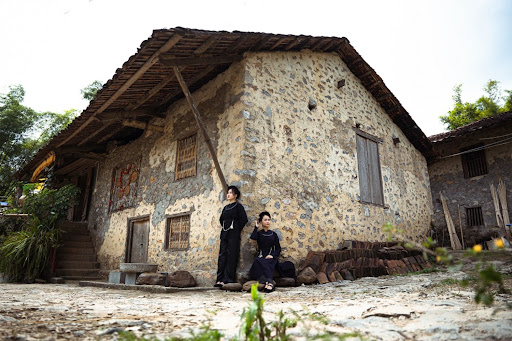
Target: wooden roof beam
[277,43]
[164,103]
[151,92]
[93,135]
[148,64]
[176,62]
[142,125]
[206,45]
[109,135]
[373,85]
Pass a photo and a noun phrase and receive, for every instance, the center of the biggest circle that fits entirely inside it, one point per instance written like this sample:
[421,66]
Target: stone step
[67,264]
[75,250]
[75,257]
[79,273]
[75,231]
[75,238]
[76,244]
[82,278]
[72,225]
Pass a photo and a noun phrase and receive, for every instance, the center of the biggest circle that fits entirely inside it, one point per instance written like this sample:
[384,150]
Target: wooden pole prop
[199,121]
[460,225]
[454,240]
[502,193]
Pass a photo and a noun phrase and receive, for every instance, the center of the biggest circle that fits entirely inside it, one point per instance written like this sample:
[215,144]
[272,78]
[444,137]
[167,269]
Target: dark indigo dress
[262,269]
[232,221]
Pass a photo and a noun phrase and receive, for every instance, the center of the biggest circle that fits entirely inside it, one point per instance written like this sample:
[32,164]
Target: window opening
[370,183]
[186,157]
[474,164]
[178,232]
[474,216]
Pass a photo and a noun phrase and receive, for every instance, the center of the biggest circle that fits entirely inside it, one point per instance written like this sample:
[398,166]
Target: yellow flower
[477,248]
[499,243]
[438,258]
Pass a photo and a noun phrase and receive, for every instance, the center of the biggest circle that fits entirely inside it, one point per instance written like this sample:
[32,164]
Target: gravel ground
[413,307]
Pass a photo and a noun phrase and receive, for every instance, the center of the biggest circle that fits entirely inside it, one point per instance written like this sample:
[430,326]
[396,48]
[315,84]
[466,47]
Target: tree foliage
[23,131]
[490,104]
[89,92]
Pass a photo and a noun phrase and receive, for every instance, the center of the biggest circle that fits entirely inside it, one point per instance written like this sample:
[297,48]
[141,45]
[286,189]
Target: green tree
[89,92]
[23,131]
[492,103]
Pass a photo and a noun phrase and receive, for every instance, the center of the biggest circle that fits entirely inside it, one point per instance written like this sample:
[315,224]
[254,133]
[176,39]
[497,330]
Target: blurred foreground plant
[487,278]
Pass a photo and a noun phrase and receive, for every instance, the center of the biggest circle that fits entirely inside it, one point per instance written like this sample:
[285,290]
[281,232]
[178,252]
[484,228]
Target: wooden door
[138,241]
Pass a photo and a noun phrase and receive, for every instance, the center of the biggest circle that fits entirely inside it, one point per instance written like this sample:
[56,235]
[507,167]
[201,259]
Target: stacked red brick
[364,259]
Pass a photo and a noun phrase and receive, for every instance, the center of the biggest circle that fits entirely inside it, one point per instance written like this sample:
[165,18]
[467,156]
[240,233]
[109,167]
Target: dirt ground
[412,307]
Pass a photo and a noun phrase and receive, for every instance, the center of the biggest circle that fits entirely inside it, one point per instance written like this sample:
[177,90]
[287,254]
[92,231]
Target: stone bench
[132,270]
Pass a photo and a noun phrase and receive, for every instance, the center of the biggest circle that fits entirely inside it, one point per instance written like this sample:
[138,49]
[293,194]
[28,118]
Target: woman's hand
[269,257]
[257,224]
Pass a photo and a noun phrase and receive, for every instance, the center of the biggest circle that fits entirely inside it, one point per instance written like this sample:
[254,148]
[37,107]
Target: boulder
[232,287]
[285,282]
[150,278]
[307,276]
[182,279]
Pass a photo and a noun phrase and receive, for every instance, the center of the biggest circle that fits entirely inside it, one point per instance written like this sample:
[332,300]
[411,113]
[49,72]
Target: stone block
[150,278]
[57,280]
[232,287]
[116,277]
[182,279]
[130,278]
[285,282]
[307,276]
[322,278]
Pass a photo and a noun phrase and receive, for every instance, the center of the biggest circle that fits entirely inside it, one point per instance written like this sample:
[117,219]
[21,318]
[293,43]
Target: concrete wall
[447,175]
[284,134]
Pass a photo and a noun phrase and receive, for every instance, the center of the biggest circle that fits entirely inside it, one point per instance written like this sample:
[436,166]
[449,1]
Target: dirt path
[416,307]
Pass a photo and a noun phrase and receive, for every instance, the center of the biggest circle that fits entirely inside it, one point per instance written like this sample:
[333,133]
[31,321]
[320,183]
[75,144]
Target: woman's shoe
[219,284]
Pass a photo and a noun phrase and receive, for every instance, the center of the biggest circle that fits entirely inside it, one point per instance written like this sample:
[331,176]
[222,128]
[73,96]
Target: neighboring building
[303,125]
[470,159]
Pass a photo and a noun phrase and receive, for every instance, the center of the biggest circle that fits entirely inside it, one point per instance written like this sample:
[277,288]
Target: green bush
[25,254]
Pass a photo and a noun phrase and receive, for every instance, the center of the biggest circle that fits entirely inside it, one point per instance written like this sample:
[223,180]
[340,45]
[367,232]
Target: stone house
[470,159]
[303,125]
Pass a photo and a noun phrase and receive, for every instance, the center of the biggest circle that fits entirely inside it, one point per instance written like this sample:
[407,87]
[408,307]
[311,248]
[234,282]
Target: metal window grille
[178,232]
[186,158]
[474,216]
[474,164]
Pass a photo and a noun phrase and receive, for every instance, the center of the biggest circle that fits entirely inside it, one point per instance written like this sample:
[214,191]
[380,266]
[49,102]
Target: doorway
[137,240]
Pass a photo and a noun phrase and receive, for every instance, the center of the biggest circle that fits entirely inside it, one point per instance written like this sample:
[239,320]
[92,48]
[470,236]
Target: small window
[186,157]
[474,164]
[370,183]
[177,232]
[474,216]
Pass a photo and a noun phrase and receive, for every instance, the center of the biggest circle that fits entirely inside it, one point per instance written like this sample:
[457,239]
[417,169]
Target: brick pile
[359,259]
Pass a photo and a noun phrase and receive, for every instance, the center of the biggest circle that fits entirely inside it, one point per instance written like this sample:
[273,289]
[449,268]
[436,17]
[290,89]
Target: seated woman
[262,268]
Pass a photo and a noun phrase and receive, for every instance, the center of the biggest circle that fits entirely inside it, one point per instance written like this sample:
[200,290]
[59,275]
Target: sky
[421,49]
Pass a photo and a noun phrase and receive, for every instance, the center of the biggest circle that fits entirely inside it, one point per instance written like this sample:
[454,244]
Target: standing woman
[232,220]
[263,267]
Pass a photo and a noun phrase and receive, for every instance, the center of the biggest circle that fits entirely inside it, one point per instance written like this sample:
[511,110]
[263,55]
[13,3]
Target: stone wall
[284,134]
[447,176]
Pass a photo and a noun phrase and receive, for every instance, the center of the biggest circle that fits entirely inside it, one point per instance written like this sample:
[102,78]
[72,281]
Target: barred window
[474,164]
[177,232]
[186,157]
[474,216]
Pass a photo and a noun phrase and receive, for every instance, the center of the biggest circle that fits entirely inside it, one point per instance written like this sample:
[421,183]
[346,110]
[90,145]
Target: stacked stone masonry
[284,133]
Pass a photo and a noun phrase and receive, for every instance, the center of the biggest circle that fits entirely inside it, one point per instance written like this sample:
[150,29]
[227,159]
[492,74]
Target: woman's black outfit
[232,220]
[262,268]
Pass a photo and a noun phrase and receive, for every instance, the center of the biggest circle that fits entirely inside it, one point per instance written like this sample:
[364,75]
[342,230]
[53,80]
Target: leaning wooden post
[199,121]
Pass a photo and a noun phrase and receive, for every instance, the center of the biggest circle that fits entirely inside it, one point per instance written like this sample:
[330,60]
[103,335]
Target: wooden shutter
[370,183]
[474,164]
[178,232]
[186,158]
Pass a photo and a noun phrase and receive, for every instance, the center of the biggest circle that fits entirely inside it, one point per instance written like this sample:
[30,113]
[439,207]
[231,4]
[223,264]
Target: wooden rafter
[206,45]
[371,86]
[164,103]
[142,125]
[277,43]
[152,92]
[110,134]
[94,134]
[150,62]
[172,61]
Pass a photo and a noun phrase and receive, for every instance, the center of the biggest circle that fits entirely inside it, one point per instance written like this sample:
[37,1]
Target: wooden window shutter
[370,183]
[178,232]
[474,164]
[186,157]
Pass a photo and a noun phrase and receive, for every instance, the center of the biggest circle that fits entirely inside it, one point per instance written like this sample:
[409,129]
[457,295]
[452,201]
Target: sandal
[219,284]
[269,287]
